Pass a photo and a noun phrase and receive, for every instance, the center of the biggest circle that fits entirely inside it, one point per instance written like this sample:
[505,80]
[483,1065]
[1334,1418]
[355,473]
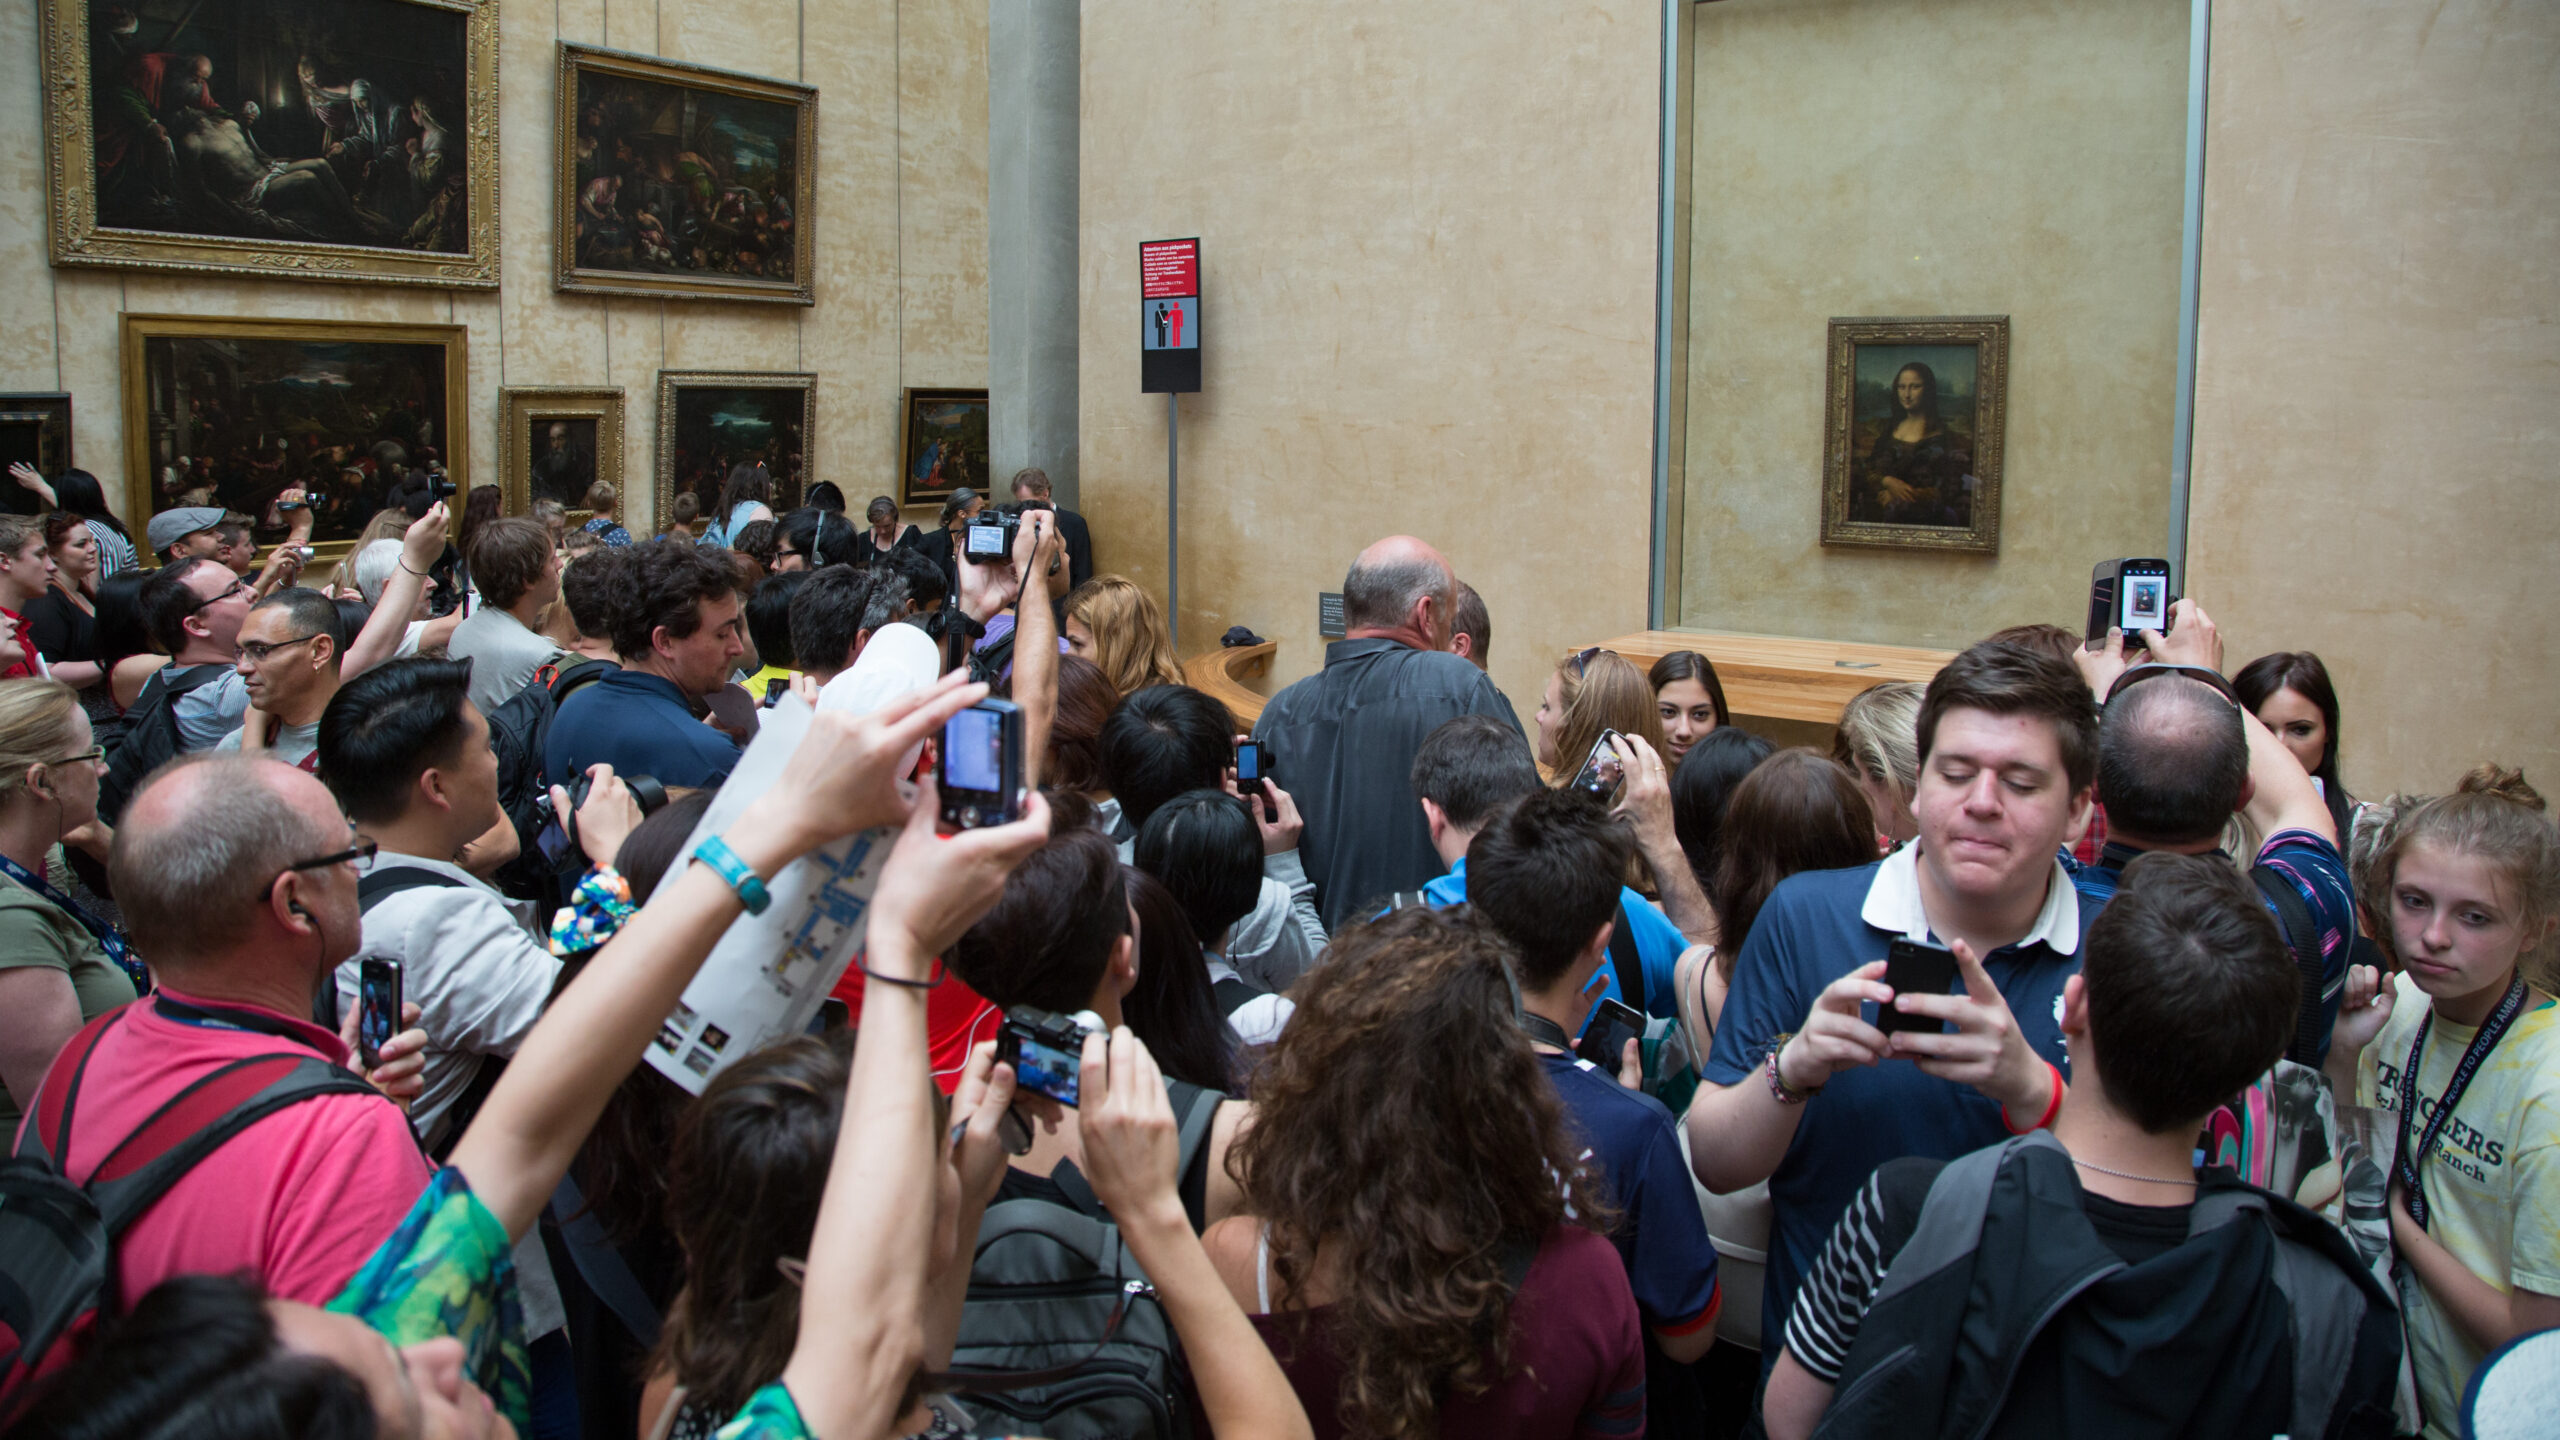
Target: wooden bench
[1223,671]
[1784,677]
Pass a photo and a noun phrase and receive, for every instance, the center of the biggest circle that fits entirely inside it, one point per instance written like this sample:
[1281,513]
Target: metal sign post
[1169,362]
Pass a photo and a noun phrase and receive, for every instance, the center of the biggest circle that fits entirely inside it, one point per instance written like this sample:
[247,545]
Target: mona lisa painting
[1912,430]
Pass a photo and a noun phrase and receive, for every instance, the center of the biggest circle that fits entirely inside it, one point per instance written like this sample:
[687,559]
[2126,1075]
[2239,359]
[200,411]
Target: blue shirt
[1661,1235]
[2317,873]
[1817,927]
[1658,944]
[639,724]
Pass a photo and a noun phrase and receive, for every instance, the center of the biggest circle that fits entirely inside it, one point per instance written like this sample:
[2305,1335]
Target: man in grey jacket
[1344,739]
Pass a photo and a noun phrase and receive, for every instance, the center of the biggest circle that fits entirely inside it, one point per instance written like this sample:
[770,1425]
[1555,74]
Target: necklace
[2128,1175]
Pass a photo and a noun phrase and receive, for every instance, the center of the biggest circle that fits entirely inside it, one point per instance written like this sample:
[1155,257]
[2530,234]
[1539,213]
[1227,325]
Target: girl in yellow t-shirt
[2462,1049]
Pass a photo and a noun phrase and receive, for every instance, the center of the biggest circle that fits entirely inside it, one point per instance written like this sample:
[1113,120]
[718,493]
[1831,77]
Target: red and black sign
[1169,316]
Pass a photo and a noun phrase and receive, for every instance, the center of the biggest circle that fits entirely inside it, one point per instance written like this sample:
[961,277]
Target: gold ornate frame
[522,406]
[71,168]
[909,492]
[1989,335]
[673,382]
[135,331]
[801,289]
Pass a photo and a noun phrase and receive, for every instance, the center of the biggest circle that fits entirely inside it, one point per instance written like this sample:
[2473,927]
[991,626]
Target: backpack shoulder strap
[2327,1291]
[52,1110]
[1233,994]
[390,880]
[573,678]
[1950,1224]
[1628,961]
[2303,939]
[200,1119]
[1195,1111]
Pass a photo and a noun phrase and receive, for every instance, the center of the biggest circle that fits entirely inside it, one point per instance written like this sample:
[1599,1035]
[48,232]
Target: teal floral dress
[448,1271]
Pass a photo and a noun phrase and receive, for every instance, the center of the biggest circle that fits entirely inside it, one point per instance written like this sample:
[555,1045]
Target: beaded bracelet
[1787,1094]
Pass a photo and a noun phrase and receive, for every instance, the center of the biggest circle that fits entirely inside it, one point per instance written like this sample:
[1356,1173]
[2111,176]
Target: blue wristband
[724,862]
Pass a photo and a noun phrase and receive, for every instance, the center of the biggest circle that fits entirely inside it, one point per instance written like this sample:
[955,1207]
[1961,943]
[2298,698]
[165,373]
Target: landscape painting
[324,139]
[684,182]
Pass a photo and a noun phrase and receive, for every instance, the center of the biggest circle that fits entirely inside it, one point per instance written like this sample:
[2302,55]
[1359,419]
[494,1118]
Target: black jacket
[1342,742]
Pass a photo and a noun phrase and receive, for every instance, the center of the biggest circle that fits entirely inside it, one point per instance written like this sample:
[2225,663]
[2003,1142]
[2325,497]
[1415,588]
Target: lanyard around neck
[106,935]
[2491,1032]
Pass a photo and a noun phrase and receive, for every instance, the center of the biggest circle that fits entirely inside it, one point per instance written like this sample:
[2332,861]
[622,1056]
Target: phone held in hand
[2131,595]
[1046,1050]
[1912,968]
[1604,1037]
[1603,772]
[378,1013]
[980,766]
[1249,774]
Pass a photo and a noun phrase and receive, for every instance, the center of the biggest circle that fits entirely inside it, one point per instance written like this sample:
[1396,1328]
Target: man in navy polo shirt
[1802,1090]
[1546,874]
[676,626]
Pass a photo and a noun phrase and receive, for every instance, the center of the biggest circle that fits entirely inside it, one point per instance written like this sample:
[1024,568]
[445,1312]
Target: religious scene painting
[945,444]
[556,442]
[710,423]
[681,181]
[335,139]
[234,412]
[1912,450]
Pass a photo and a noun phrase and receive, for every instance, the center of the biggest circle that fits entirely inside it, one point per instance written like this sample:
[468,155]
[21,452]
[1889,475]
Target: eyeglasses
[94,755]
[234,588]
[2210,678]
[255,652]
[361,850]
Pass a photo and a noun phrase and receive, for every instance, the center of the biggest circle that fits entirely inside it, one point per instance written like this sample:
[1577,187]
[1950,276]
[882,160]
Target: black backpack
[1060,1316]
[518,731]
[57,1239]
[150,736]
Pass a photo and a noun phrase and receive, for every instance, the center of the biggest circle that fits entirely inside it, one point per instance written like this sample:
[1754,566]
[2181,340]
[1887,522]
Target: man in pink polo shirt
[237,875]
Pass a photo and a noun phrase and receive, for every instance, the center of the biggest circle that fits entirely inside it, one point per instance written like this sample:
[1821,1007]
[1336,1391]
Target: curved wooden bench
[1785,677]
[1222,672]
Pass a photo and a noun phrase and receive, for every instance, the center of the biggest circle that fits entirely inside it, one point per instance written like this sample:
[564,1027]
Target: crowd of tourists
[2058,1053]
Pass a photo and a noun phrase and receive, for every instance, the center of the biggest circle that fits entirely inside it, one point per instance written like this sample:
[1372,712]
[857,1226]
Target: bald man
[1342,741]
[237,875]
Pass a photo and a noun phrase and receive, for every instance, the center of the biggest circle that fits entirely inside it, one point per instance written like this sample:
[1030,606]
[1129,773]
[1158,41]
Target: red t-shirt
[1576,1367]
[24,629]
[299,1200]
[956,1018]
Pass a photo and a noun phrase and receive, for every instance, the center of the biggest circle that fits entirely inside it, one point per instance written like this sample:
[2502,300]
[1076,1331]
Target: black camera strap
[1546,1031]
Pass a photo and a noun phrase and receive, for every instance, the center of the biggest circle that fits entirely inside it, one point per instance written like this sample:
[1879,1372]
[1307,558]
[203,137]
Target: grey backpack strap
[1950,1226]
[2322,1303]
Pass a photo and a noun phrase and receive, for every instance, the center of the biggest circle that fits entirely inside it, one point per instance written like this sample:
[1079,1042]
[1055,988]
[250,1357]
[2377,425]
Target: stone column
[1033,57]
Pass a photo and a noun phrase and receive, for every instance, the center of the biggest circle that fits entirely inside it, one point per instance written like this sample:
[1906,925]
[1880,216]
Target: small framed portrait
[716,425]
[943,445]
[1913,415]
[557,443]
[35,431]
[351,140]
[683,182]
[234,412]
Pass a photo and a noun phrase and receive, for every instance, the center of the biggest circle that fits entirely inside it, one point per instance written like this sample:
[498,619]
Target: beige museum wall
[1930,157]
[902,243]
[1428,242]
[2378,356]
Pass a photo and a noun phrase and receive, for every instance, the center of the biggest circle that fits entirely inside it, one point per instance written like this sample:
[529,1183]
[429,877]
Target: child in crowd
[2461,1052]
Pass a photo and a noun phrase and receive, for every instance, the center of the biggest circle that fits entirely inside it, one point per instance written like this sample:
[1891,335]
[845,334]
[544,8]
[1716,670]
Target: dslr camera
[559,839]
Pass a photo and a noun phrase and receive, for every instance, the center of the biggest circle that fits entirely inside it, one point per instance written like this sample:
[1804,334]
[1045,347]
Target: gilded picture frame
[556,440]
[683,182]
[342,170]
[1914,414]
[352,409]
[710,421]
[942,445]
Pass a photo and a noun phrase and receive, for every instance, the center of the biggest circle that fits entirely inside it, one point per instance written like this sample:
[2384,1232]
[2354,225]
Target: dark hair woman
[123,640]
[1691,699]
[1416,1244]
[2290,691]
[826,495]
[1703,786]
[746,497]
[885,534]
[1085,701]
[1172,1007]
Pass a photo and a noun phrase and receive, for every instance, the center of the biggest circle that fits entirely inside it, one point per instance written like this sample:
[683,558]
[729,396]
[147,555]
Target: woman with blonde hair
[59,964]
[1591,691]
[1119,627]
[1879,740]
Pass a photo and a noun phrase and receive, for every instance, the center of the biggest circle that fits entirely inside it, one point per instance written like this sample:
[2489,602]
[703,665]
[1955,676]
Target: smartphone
[378,999]
[1603,772]
[980,762]
[2129,595]
[1046,1052]
[1912,968]
[1249,762]
[1605,1035]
